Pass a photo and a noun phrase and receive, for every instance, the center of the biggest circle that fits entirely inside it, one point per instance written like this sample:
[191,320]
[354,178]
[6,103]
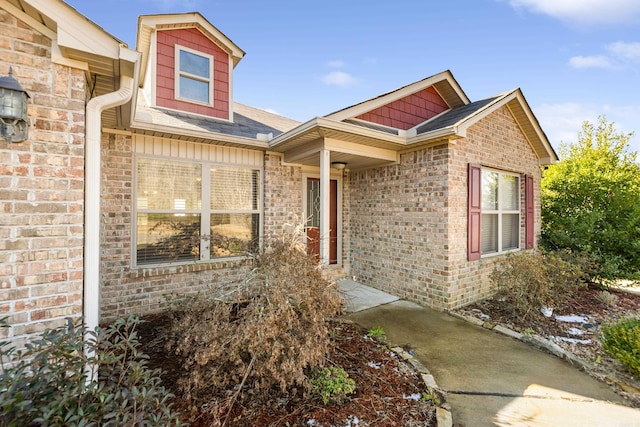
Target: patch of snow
[480,314]
[414,396]
[576,331]
[572,318]
[374,365]
[547,311]
[572,340]
[311,422]
[352,421]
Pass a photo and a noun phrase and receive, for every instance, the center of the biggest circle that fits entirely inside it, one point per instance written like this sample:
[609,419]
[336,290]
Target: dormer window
[194,76]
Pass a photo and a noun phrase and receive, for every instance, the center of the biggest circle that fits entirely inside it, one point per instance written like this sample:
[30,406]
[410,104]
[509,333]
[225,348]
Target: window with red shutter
[529,211]
[474,212]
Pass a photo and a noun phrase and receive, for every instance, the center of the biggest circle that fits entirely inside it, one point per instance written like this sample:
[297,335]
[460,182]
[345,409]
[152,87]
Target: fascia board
[552,155]
[324,123]
[153,21]
[439,133]
[76,31]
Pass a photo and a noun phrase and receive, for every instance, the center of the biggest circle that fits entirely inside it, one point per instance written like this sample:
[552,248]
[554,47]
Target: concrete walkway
[490,379]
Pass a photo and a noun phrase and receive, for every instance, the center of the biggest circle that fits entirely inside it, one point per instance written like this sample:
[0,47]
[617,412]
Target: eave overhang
[194,135]
[80,43]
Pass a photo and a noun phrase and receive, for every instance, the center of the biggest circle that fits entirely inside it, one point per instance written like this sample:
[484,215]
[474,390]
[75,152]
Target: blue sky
[573,59]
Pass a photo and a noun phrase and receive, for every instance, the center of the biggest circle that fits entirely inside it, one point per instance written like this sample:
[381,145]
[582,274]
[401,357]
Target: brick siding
[409,221]
[127,290]
[42,189]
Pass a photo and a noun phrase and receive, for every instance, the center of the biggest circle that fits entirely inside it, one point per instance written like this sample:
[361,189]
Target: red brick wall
[41,189]
[408,112]
[165,77]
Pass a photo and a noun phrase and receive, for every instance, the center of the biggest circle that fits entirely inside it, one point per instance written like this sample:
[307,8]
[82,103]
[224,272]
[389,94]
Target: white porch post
[325,192]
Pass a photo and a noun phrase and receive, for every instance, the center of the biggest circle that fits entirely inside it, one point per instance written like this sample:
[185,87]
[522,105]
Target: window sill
[143,271]
[497,254]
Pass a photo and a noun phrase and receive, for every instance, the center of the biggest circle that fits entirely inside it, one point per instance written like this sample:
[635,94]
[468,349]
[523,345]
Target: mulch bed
[387,388]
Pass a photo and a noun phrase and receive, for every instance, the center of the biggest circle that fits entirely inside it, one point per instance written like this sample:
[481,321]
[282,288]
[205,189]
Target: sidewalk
[490,379]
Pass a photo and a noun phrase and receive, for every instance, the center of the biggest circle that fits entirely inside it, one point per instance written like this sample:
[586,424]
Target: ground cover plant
[621,340]
[46,383]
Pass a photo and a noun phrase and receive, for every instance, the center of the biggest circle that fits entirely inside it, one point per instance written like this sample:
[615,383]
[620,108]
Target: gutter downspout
[95,107]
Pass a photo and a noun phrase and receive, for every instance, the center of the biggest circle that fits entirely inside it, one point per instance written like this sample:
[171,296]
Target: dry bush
[530,280]
[262,332]
[606,298]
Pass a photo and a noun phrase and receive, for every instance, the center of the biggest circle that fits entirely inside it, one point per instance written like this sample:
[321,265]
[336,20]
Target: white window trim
[205,217]
[501,211]
[178,74]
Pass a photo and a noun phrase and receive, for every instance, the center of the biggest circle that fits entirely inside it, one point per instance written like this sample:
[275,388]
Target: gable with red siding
[165,77]
[409,111]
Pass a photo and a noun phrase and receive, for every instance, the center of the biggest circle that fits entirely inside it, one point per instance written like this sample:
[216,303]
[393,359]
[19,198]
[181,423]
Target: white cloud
[561,122]
[584,12]
[335,64]
[271,110]
[339,78]
[629,51]
[596,61]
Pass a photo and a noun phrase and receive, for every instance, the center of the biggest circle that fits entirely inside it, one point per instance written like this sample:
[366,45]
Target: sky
[573,59]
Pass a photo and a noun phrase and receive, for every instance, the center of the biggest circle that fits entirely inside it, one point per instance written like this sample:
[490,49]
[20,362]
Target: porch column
[325,191]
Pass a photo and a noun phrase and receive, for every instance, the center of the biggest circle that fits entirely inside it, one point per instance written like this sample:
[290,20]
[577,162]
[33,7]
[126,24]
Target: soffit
[80,43]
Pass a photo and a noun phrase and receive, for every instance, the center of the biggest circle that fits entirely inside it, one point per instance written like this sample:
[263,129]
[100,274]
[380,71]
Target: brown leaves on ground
[386,387]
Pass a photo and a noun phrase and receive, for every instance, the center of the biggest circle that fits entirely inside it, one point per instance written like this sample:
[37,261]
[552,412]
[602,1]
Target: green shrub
[530,280]
[590,201]
[376,332]
[266,330]
[331,384]
[47,382]
[621,340]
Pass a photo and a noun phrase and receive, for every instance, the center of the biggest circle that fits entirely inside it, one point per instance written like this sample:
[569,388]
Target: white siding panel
[172,148]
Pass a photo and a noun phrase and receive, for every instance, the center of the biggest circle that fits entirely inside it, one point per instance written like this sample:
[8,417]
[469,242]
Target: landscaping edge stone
[552,348]
[443,412]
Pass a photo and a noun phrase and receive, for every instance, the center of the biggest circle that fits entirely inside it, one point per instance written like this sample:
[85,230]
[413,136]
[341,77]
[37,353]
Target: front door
[313,219]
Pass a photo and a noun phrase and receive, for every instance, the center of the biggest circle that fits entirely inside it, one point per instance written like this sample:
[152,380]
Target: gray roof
[373,126]
[241,125]
[452,117]
[248,122]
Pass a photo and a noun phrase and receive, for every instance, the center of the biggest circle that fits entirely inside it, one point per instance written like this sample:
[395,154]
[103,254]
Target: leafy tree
[591,201]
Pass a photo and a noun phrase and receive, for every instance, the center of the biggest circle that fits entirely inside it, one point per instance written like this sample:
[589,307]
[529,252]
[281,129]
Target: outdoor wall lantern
[339,165]
[13,109]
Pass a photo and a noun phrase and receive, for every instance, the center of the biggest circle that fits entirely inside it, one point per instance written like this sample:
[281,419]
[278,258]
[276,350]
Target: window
[500,221]
[494,216]
[194,71]
[188,211]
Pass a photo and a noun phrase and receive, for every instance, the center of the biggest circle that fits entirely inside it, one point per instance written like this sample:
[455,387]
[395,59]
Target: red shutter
[529,213]
[474,182]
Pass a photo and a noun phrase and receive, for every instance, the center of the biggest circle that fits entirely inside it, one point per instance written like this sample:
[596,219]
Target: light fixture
[13,109]
[339,165]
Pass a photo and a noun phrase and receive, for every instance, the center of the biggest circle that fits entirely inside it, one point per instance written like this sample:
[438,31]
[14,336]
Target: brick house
[143,177]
